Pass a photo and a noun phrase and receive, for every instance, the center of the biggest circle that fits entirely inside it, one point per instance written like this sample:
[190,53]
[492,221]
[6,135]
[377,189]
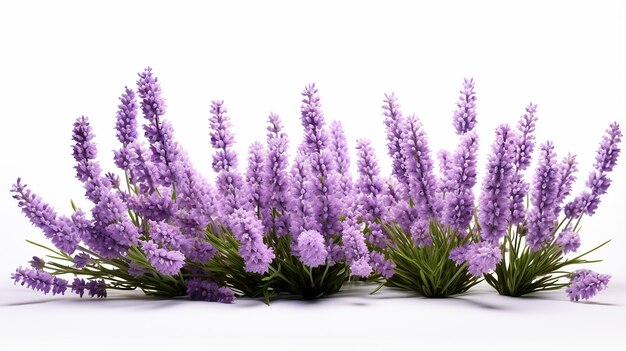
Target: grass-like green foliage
[115,272]
[428,270]
[287,275]
[523,271]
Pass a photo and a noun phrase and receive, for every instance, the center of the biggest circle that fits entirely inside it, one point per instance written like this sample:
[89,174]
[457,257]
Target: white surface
[58,61]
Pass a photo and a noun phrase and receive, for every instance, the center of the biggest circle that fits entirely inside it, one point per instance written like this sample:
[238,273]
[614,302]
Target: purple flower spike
[126,125]
[419,166]
[494,210]
[229,182]
[60,230]
[37,263]
[87,168]
[598,182]
[420,232]
[394,123]
[248,229]
[361,268]
[254,175]
[370,192]
[382,266]
[95,288]
[277,197]
[568,240]
[152,104]
[204,290]
[81,260]
[301,213]
[567,176]
[167,262]
[461,178]
[39,280]
[465,115]
[311,249]
[339,151]
[542,219]
[584,284]
[355,249]
[323,193]
[526,143]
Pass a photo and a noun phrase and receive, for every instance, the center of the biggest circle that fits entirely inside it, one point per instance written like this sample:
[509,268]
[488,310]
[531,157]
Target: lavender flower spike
[87,168]
[167,262]
[567,176]
[355,249]
[126,130]
[598,182]
[255,175]
[523,151]
[461,178]
[204,290]
[60,230]
[419,166]
[541,219]
[495,202]
[276,195]
[394,123]
[568,240]
[370,192]
[584,284]
[465,115]
[339,151]
[39,280]
[482,257]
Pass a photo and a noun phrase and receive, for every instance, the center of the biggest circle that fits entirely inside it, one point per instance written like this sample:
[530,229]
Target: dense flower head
[480,257]
[465,115]
[361,267]
[149,88]
[248,229]
[312,118]
[420,232]
[419,168]
[311,249]
[87,167]
[598,181]
[382,266]
[126,124]
[394,124]
[276,188]
[155,206]
[568,240]
[461,178]
[39,280]
[543,197]
[355,249]
[167,262]
[301,212]
[567,176]
[37,263]
[370,191]
[81,260]
[59,229]
[584,284]
[255,174]
[494,212]
[205,290]
[339,150]
[222,138]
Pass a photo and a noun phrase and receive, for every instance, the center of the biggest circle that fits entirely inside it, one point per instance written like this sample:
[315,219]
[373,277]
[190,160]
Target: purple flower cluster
[311,249]
[276,197]
[167,262]
[465,115]
[584,284]
[523,152]
[205,290]
[248,229]
[39,280]
[480,257]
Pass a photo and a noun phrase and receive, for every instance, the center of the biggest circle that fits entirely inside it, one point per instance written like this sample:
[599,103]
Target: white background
[62,60]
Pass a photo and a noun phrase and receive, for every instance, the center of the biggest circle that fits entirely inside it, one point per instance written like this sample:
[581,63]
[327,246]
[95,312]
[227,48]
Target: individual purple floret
[81,260]
[60,230]
[598,182]
[339,151]
[277,198]
[167,262]
[542,218]
[248,230]
[229,182]
[381,265]
[39,280]
[37,263]
[419,168]
[311,249]
[461,178]
[584,284]
[255,175]
[568,240]
[205,290]
[323,193]
[465,115]
[494,212]
[394,124]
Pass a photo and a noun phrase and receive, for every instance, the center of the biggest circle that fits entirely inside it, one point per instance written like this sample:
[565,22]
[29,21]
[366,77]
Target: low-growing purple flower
[382,266]
[482,257]
[39,280]
[361,267]
[94,288]
[248,230]
[420,232]
[205,290]
[311,249]
[584,284]
[355,248]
